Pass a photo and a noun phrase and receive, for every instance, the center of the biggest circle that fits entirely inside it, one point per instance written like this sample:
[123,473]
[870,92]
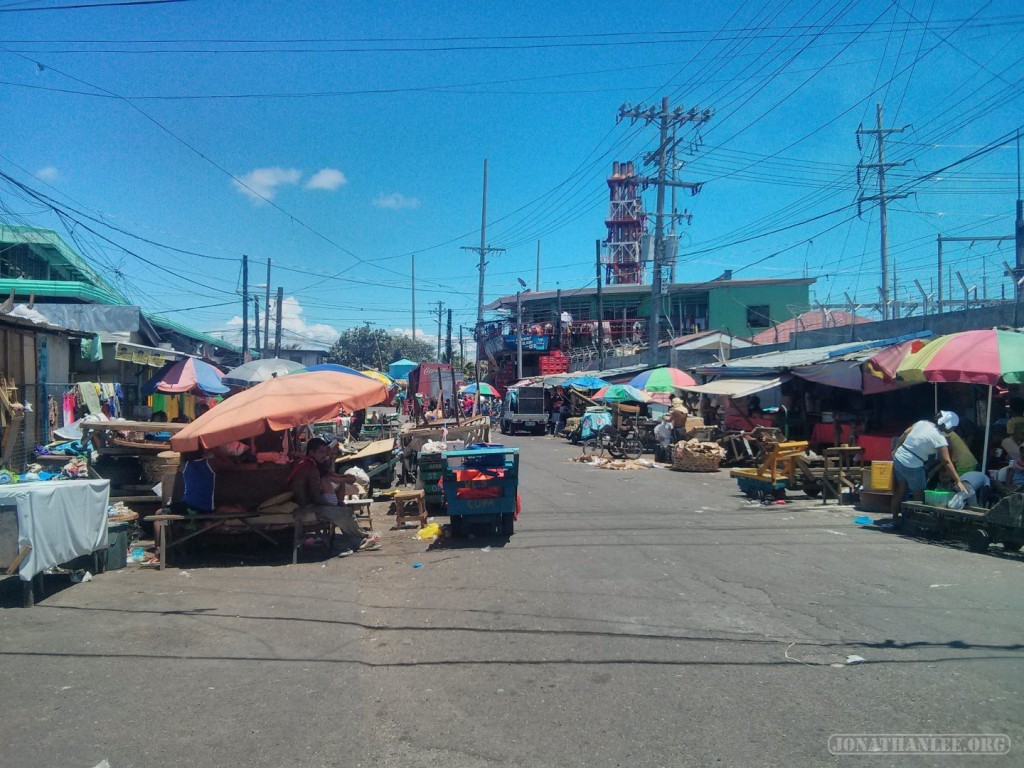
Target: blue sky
[366,126]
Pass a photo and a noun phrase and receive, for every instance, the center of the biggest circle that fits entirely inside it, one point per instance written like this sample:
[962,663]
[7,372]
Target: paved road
[636,619]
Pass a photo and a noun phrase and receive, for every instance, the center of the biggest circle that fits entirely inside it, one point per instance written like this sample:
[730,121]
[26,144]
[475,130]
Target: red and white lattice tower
[627,224]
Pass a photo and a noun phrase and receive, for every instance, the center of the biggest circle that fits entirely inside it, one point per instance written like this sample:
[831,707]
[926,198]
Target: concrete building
[566,321]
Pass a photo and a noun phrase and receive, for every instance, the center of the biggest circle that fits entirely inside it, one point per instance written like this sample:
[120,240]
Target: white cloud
[49,173]
[395,201]
[294,328]
[262,183]
[326,178]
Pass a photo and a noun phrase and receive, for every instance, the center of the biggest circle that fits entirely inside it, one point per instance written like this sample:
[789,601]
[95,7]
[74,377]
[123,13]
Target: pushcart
[774,474]
[977,527]
[480,486]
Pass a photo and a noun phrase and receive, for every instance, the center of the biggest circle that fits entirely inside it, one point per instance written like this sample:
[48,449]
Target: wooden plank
[16,562]
[375,448]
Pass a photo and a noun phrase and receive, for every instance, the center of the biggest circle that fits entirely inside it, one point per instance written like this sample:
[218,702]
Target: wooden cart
[977,527]
[774,474]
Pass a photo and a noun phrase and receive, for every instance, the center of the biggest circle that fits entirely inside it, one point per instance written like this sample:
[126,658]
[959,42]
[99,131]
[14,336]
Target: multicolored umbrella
[485,389]
[281,403]
[621,393]
[188,375]
[383,378]
[662,380]
[971,357]
[884,364]
[586,382]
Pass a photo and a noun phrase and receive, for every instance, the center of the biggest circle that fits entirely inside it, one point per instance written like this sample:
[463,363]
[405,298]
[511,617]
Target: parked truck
[523,408]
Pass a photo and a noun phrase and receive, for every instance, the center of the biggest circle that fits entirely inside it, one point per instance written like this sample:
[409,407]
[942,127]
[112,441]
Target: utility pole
[462,350]
[1019,231]
[519,336]
[277,323]
[440,314]
[448,342]
[256,324]
[880,133]
[266,311]
[483,250]
[600,311]
[245,306]
[668,120]
[414,297]
[538,266]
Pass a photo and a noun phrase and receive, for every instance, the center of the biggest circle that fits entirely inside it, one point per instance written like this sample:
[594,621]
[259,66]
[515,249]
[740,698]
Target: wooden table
[840,474]
[207,523]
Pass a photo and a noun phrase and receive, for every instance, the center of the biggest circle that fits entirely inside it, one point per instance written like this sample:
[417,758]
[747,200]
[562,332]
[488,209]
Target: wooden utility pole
[245,306]
[277,323]
[414,297]
[880,133]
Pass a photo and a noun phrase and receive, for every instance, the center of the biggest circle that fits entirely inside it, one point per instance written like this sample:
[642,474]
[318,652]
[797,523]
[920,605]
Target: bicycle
[618,445]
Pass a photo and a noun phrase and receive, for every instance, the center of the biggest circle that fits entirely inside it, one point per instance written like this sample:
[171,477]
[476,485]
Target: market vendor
[305,484]
[677,415]
[664,434]
[916,447]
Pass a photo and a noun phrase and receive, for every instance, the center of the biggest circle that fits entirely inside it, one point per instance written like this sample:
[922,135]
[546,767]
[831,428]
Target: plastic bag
[957,501]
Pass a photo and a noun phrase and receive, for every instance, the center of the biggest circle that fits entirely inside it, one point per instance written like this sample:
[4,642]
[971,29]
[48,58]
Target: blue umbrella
[586,382]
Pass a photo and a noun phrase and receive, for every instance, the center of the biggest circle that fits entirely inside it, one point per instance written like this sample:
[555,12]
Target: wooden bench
[205,523]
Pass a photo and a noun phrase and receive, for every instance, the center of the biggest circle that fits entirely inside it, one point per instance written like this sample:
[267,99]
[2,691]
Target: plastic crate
[937,498]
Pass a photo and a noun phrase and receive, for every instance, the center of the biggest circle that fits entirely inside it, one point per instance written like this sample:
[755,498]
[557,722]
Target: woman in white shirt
[916,447]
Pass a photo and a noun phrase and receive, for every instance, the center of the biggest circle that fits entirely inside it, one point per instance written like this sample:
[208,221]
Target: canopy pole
[936,385]
[988,428]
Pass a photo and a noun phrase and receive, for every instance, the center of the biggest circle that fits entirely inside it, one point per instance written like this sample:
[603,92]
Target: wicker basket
[695,462]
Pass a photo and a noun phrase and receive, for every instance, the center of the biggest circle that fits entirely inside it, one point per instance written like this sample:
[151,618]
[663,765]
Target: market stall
[267,411]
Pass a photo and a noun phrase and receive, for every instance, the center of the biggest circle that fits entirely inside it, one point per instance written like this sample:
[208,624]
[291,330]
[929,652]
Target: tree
[367,347]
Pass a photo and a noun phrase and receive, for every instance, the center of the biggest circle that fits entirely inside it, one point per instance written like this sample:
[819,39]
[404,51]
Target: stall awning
[737,387]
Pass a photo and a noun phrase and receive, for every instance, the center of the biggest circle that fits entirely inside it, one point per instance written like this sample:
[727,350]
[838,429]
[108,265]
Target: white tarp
[737,387]
[61,519]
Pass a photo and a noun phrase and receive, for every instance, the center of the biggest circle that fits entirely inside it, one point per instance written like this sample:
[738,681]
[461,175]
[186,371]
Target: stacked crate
[553,364]
[430,468]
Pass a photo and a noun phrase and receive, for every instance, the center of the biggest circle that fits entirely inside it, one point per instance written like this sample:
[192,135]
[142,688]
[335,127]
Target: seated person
[305,483]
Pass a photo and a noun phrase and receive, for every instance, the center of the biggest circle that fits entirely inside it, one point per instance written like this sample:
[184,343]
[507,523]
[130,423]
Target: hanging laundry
[68,408]
[90,396]
[92,349]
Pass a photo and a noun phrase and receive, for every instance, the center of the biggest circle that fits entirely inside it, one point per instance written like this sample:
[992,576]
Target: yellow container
[881,475]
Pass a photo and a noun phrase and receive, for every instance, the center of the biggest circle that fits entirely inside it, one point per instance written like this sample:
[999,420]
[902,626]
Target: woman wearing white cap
[916,447]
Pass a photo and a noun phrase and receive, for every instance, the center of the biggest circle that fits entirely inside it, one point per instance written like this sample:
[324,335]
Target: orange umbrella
[281,403]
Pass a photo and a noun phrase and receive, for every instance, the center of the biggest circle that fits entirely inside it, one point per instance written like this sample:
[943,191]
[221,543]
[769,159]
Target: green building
[564,322]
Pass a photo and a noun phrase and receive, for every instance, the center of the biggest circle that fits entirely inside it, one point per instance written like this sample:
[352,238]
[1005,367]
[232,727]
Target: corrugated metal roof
[756,365]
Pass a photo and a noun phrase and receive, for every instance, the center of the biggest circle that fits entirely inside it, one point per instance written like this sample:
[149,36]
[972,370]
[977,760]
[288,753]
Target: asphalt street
[636,618]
